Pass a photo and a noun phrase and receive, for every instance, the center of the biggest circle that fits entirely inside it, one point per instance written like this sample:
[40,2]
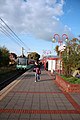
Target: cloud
[40,18]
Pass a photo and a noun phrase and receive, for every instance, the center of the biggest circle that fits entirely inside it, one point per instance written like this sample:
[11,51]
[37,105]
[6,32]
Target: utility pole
[22,51]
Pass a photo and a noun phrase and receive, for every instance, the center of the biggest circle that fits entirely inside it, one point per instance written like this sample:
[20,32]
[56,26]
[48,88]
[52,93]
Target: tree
[12,57]
[71,56]
[57,50]
[4,56]
[34,56]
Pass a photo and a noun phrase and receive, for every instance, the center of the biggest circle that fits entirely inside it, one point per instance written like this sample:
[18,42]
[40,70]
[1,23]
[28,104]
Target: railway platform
[24,99]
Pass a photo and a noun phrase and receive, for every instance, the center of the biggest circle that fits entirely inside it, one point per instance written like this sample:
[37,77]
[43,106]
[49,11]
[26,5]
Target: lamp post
[66,37]
[59,40]
[61,46]
[54,38]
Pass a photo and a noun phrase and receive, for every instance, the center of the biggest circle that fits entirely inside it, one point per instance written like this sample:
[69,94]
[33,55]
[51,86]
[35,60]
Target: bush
[73,80]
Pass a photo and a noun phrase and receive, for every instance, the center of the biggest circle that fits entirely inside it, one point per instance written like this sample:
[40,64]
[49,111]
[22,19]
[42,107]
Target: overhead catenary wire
[6,30]
[11,32]
[8,35]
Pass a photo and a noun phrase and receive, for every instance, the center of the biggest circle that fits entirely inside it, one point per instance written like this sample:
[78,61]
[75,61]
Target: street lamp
[54,39]
[66,37]
[60,41]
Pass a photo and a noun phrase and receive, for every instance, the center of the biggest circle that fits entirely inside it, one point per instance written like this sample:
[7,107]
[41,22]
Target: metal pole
[22,51]
[59,41]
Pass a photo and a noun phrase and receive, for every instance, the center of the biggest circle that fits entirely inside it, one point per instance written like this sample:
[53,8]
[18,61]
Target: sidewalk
[42,100]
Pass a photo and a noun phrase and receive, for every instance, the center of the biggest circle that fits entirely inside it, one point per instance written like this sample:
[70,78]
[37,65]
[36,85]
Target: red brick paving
[44,94]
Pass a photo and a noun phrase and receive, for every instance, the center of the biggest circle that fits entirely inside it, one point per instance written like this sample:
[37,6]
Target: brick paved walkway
[42,100]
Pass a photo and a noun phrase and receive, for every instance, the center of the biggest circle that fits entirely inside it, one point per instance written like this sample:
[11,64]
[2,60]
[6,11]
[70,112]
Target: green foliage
[57,50]
[73,80]
[71,60]
[4,56]
[71,56]
[34,56]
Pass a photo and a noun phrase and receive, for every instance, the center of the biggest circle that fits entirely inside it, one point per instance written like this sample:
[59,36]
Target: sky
[35,22]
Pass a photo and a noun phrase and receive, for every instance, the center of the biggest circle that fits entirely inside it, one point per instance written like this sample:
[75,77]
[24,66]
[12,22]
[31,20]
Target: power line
[8,35]
[13,33]
[6,29]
